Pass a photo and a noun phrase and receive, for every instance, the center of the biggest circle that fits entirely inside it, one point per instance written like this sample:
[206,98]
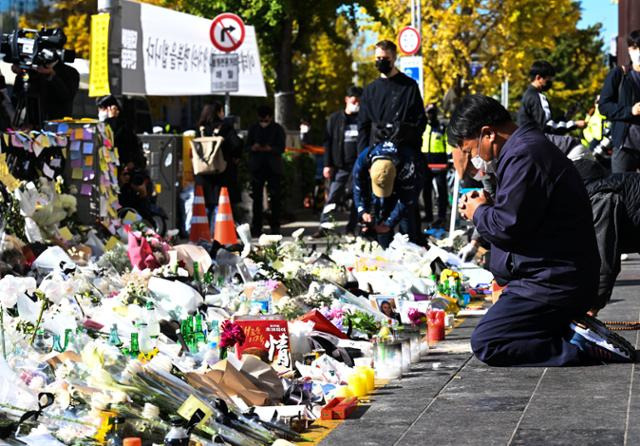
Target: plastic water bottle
[153,325]
[177,435]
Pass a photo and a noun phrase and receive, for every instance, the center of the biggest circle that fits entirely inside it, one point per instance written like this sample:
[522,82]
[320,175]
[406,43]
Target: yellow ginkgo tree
[473,45]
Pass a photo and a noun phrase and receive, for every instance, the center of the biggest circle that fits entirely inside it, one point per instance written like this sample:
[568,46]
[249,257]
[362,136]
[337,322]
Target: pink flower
[416,317]
[231,334]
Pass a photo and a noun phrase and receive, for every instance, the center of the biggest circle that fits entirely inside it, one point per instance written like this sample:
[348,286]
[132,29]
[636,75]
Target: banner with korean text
[169,53]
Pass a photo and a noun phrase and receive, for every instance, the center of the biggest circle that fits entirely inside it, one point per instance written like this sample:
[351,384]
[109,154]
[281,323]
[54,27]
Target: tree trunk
[285,101]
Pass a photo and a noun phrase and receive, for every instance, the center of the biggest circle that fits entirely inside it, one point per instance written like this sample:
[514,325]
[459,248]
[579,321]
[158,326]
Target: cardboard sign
[270,336]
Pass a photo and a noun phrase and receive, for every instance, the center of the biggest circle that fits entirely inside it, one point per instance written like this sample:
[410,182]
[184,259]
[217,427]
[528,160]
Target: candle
[369,376]
[343,392]
[357,385]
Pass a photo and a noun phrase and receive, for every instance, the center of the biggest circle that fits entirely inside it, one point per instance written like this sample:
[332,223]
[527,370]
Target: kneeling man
[543,244]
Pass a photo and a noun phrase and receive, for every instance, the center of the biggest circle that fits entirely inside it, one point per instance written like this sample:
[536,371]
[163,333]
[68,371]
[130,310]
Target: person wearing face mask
[340,153]
[265,142]
[535,107]
[130,151]
[620,103]
[436,153]
[542,241]
[391,106]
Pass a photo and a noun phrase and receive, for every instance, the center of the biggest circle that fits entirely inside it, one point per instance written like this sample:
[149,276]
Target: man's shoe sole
[612,338]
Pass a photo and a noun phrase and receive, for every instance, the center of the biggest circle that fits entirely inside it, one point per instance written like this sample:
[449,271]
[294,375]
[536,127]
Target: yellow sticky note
[88,161]
[79,133]
[112,212]
[65,233]
[76,173]
[190,406]
[131,217]
[111,243]
[5,136]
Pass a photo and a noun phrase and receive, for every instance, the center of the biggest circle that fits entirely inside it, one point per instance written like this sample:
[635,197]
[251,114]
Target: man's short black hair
[387,45]
[354,91]
[474,112]
[541,68]
[264,111]
[634,39]
[108,101]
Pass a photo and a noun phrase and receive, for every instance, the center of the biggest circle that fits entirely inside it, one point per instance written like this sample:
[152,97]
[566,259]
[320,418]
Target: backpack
[206,154]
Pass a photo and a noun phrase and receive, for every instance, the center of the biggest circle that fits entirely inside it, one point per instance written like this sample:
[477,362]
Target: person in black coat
[50,93]
[535,109]
[265,142]
[615,200]
[620,103]
[212,122]
[391,106]
[340,154]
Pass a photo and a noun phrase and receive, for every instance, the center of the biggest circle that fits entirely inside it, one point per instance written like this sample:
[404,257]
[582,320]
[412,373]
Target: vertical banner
[99,62]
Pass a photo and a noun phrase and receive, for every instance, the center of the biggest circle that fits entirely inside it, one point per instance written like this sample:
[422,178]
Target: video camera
[29,48]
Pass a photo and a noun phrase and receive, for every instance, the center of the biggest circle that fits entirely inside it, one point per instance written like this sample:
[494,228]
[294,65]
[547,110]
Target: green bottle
[134,349]
[198,331]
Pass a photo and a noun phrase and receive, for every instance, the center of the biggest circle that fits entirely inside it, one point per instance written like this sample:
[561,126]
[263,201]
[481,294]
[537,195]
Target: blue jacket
[406,187]
[540,226]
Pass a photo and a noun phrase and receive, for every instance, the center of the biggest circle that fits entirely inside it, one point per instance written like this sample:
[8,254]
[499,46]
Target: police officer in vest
[436,154]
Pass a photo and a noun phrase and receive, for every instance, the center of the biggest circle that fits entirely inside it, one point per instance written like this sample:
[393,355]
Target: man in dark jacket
[535,107]
[50,94]
[340,153]
[541,248]
[391,105]
[620,103]
[265,142]
[386,185]
[615,200]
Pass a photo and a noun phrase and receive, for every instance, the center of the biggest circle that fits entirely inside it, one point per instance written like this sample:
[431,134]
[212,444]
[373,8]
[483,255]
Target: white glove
[468,251]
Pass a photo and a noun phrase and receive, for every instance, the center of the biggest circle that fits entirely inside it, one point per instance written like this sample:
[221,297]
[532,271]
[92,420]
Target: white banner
[175,54]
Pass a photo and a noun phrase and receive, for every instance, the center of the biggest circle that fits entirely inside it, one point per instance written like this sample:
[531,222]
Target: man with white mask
[543,245]
[340,154]
[620,103]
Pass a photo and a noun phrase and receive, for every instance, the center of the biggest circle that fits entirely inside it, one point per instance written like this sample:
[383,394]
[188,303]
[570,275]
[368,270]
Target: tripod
[28,112]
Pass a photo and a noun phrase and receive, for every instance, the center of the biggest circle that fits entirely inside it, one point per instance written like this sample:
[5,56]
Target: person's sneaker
[597,341]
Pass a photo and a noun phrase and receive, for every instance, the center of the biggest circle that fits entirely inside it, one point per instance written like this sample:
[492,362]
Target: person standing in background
[212,123]
[340,154]
[265,142]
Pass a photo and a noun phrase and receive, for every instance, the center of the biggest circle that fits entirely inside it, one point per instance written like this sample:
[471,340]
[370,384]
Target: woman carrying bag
[212,123]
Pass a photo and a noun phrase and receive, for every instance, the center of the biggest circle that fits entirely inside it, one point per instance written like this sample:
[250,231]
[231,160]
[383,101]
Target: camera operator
[50,92]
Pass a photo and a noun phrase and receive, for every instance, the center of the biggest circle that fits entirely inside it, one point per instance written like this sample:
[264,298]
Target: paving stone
[465,402]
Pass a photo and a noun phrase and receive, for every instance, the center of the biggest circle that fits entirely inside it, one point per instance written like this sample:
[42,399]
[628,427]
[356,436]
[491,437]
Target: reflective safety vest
[435,147]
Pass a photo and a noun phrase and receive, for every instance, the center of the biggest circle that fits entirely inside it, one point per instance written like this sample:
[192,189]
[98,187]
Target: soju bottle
[134,348]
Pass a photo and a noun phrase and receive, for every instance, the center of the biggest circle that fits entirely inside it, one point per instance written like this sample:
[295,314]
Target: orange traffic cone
[199,221]
[225,230]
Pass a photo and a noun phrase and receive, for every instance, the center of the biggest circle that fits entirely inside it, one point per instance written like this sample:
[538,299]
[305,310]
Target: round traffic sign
[227,32]
[409,40]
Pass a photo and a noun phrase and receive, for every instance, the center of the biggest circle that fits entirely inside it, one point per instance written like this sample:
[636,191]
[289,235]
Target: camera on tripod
[30,48]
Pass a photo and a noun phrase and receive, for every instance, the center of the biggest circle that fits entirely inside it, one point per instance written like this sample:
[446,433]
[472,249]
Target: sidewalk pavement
[453,399]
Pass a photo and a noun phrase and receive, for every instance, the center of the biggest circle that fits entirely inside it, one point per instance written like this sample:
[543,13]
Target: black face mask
[384,66]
